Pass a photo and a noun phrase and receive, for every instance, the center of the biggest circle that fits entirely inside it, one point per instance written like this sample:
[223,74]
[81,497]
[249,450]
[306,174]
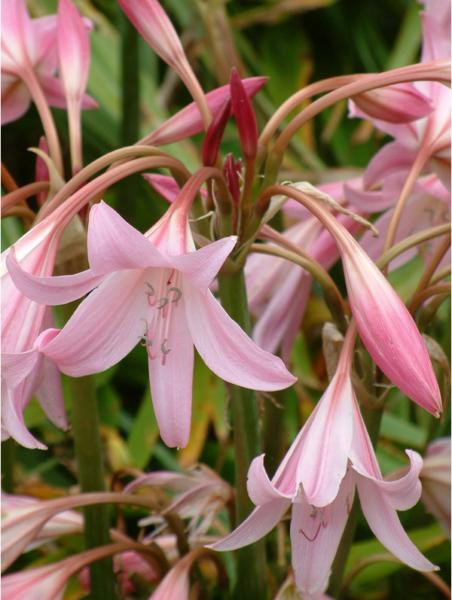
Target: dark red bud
[214,135]
[244,115]
[232,170]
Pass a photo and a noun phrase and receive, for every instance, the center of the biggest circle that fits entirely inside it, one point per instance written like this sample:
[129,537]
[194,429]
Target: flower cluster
[192,280]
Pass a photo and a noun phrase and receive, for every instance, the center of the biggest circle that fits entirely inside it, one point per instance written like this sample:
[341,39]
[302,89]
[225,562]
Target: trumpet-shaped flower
[331,456]
[24,370]
[30,45]
[154,291]
[198,495]
[431,133]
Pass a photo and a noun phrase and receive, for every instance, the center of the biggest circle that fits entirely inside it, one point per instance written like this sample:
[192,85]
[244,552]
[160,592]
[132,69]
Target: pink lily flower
[25,371]
[68,521]
[29,45]
[432,133]
[188,121]
[153,24]
[49,582]
[197,495]
[167,307]
[74,59]
[331,456]
[435,477]
[427,206]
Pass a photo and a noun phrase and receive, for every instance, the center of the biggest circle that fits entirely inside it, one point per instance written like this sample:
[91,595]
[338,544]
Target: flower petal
[315,536]
[328,436]
[402,493]
[391,158]
[260,489]
[386,526]
[114,245]
[201,266]
[171,382]
[227,350]
[260,522]
[104,328]
[51,290]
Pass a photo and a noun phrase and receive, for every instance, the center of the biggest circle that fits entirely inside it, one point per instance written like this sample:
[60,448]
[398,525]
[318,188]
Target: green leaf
[402,432]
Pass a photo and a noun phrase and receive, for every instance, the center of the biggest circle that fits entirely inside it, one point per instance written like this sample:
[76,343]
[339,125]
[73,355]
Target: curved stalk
[20,194]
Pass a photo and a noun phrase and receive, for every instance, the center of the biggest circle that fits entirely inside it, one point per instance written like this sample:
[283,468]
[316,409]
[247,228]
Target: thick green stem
[8,455]
[88,454]
[251,561]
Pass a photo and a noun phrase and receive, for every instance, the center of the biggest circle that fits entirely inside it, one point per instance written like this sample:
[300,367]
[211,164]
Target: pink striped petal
[188,121]
[327,440]
[51,290]
[55,94]
[14,402]
[73,50]
[114,245]
[164,185]
[171,379]
[260,489]
[390,159]
[227,350]
[104,328]
[386,526]
[315,535]
[260,522]
[200,267]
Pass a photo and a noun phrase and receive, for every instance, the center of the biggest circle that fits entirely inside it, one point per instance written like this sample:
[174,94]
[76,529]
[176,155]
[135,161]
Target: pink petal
[391,158]
[200,267]
[50,393]
[315,535]
[188,121]
[227,350]
[385,524]
[164,185]
[260,522]
[73,50]
[171,382]
[114,245]
[18,365]
[55,95]
[104,328]
[260,489]
[402,493]
[15,99]
[400,103]
[14,402]
[51,290]
[328,436]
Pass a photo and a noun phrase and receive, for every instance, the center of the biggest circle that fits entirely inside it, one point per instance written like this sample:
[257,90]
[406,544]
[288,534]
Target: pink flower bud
[244,115]
[399,103]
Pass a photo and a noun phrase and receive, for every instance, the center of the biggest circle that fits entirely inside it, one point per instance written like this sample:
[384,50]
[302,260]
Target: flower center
[163,296]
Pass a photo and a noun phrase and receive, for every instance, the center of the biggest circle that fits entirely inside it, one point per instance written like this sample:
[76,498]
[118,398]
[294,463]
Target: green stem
[8,455]
[88,454]
[251,561]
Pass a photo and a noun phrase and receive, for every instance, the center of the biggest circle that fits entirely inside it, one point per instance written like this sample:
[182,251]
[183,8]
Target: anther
[164,350]
[178,294]
[150,293]
[162,303]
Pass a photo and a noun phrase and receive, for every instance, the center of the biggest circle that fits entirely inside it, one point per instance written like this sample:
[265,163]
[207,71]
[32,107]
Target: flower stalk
[251,561]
